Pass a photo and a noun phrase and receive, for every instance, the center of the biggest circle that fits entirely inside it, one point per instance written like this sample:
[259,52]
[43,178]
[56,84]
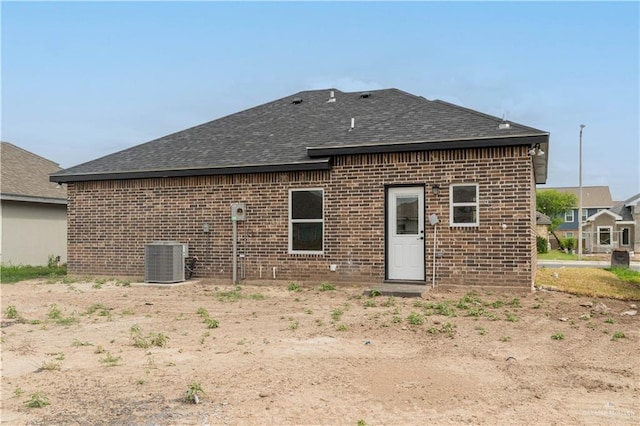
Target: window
[585,214]
[604,235]
[568,234]
[306,221]
[568,216]
[624,238]
[464,205]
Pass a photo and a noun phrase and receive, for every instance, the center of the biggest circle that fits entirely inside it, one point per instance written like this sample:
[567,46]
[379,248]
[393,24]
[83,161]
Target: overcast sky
[84,79]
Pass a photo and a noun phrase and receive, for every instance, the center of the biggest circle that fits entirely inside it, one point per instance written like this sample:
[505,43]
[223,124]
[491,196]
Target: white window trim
[568,234]
[452,205]
[291,250]
[569,214]
[610,228]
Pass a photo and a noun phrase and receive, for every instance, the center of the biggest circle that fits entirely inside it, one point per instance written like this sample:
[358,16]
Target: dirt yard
[284,357]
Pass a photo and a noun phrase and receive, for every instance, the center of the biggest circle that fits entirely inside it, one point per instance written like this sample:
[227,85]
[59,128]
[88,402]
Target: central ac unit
[164,262]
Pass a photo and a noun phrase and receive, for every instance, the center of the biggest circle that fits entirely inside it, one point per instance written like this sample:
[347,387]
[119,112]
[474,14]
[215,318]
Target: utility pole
[582,126]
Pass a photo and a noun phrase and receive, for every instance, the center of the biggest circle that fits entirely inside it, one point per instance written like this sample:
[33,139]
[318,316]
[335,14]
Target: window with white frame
[604,235]
[624,237]
[306,221]
[568,216]
[568,234]
[464,204]
[585,214]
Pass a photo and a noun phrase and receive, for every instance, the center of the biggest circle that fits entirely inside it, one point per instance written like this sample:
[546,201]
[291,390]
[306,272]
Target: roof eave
[32,199]
[316,164]
[540,163]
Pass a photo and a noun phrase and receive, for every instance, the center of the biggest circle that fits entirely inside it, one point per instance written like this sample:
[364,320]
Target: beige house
[595,199]
[614,228]
[33,209]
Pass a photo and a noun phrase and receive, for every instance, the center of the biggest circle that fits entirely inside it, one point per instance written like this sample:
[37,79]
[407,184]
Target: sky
[81,80]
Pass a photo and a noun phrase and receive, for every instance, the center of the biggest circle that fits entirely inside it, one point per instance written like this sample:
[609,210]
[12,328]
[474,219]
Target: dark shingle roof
[624,208]
[25,176]
[284,134]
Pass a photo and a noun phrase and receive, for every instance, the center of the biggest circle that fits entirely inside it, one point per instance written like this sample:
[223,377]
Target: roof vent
[332,97]
[296,101]
[504,125]
[365,95]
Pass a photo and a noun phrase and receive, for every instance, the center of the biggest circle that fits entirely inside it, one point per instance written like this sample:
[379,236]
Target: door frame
[387,187]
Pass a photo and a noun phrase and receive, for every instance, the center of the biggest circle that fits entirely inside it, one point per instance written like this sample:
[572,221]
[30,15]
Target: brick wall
[110,221]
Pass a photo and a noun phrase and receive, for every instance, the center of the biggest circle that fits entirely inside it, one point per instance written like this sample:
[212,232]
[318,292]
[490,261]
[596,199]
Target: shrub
[542,244]
[568,244]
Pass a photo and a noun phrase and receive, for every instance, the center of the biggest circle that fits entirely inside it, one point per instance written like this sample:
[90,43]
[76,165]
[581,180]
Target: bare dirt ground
[314,357]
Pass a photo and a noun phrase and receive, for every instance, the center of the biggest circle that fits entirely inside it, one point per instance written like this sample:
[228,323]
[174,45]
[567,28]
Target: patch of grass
[99,350]
[257,296]
[37,400]
[609,321]
[505,339]
[591,282]
[391,301]
[375,293]
[11,312]
[481,331]
[18,391]
[369,303]
[294,287]
[327,287]
[415,319]
[294,325]
[625,274]
[203,313]
[158,339]
[95,307]
[212,323]
[336,314]
[511,317]
[618,335]
[193,393]
[14,274]
[230,296]
[54,312]
[77,343]
[442,308]
[110,360]
[50,366]
[448,329]
[557,255]
[342,327]
[557,336]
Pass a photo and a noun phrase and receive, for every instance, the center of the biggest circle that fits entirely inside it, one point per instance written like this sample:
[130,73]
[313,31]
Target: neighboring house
[542,225]
[594,200]
[34,210]
[338,187]
[615,228]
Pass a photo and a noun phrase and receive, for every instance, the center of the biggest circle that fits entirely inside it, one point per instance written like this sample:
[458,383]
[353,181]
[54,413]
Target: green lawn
[13,274]
[557,255]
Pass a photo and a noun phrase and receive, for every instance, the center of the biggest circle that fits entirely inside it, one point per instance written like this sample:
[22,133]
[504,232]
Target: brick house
[338,187]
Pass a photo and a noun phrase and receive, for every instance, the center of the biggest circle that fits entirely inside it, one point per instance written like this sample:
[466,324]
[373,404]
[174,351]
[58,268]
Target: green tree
[555,204]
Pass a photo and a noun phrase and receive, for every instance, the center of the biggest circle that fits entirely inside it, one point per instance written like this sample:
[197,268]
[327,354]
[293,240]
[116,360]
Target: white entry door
[405,233]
